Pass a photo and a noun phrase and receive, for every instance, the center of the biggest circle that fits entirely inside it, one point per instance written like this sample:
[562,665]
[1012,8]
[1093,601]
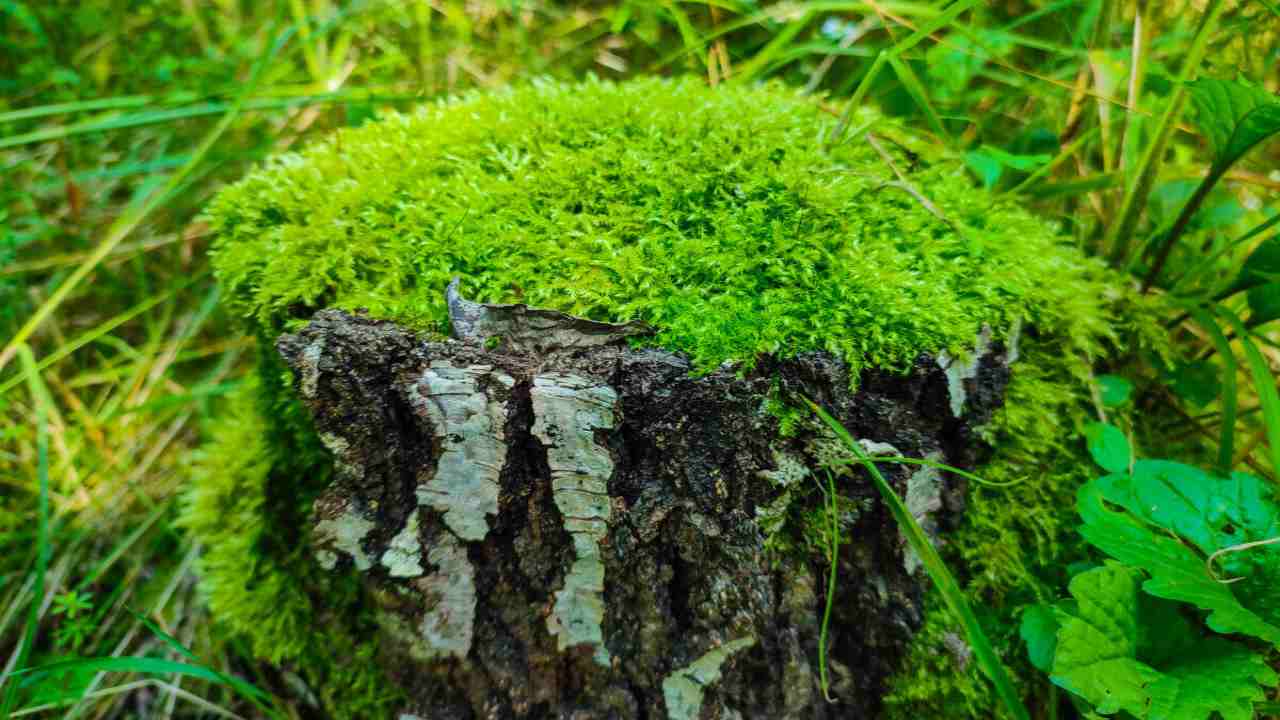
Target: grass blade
[134,216]
[39,398]
[1264,384]
[142,665]
[1120,237]
[916,90]
[1226,449]
[937,569]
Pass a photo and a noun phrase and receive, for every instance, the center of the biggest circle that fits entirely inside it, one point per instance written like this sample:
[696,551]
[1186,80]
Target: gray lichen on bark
[568,411]
[403,557]
[541,505]
[684,689]
[964,370]
[342,530]
[450,592]
[468,427]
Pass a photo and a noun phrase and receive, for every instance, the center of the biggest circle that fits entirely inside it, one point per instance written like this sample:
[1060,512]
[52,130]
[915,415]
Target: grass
[118,120]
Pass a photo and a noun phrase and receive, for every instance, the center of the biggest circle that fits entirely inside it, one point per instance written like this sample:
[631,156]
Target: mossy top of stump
[724,218]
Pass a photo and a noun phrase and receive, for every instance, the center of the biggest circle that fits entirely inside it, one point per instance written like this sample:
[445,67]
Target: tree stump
[556,523]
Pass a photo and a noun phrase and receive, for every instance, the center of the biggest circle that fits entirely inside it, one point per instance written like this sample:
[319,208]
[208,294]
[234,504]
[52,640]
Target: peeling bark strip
[567,412]
[553,524]
[468,426]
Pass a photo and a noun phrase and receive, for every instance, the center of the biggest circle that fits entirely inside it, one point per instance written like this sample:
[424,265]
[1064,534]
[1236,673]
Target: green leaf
[1108,446]
[1264,384]
[1121,651]
[1115,390]
[986,167]
[1097,649]
[1264,303]
[1226,510]
[1235,116]
[1039,630]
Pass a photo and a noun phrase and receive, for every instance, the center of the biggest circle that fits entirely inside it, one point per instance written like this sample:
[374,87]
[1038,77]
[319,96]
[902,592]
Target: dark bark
[483,484]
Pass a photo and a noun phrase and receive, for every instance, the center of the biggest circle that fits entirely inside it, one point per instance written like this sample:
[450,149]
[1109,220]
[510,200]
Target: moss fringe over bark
[714,215]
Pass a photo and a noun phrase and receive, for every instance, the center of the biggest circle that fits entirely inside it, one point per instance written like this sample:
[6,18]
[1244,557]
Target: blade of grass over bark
[39,400]
[134,216]
[1228,400]
[834,550]
[1264,384]
[947,586]
[1118,243]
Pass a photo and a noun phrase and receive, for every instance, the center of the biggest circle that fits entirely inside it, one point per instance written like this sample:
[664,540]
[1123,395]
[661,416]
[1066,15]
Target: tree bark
[557,525]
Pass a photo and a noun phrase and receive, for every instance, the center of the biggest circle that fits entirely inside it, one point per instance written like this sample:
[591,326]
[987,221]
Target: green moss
[716,215]
[251,485]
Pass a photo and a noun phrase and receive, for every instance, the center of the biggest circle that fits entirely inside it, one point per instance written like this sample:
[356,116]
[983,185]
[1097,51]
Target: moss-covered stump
[556,525]
[431,538]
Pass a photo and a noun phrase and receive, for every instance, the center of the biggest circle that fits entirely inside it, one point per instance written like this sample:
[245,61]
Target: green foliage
[1114,391]
[100,101]
[714,214]
[75,609]
[1167,524]
[1120,650]
[1108,446]
[943,580]
[1235,115]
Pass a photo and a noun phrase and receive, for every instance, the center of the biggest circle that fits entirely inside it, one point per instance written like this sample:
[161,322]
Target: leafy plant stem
[1180,225]
[947,586]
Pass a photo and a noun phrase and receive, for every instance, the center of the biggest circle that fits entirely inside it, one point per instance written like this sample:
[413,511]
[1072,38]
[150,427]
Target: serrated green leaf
[1264,303]
[1120,650]
[1097,645]
[1178,572]
[1235,116]
[1108,446]
[1213,676]
[1115,390]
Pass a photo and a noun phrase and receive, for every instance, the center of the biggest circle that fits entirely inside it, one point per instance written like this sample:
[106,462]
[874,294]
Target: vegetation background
[120,118]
